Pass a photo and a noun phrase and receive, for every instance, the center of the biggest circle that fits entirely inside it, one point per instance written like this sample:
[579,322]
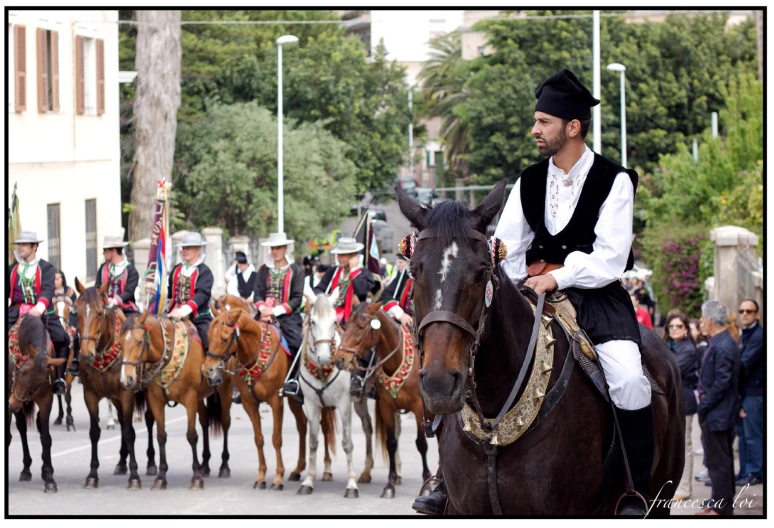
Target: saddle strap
[491,477]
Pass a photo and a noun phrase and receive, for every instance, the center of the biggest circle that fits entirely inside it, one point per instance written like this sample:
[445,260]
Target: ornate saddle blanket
[179,353]
[394,382]
[106,359]
[264,359]
[14,352]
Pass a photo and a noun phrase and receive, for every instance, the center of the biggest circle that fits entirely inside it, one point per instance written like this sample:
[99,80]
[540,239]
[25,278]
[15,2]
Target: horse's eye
[481,275]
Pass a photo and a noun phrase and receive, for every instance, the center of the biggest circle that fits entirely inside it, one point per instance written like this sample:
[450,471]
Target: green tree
[226,173]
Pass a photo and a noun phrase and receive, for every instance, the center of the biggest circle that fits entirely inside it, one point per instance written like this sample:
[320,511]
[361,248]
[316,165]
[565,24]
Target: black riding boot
[638,440]
[435,503]
[292,388]
[60,387]
[74,367]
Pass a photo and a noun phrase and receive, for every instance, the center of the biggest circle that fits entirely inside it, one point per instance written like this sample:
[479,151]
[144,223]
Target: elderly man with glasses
[751,390]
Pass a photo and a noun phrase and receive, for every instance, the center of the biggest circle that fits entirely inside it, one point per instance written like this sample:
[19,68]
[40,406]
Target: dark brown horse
[151,358]
[31,372]
[100,373]
[396,374]
[556,467]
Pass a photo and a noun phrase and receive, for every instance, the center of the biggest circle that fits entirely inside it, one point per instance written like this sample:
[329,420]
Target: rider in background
[397,296]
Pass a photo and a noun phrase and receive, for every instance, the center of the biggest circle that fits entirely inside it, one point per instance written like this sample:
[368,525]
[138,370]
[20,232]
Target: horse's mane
[449,220]
[322,308]
[91,295]
[33,332]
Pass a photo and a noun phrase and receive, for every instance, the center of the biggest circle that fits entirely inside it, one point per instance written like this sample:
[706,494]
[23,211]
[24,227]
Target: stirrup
[626,507]
[290,388]
[59,388]
[73,369]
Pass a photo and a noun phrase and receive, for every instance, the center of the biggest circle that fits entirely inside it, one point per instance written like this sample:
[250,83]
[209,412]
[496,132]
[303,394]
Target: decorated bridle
[232,341]
[375,325]
[92,359]
[145,351]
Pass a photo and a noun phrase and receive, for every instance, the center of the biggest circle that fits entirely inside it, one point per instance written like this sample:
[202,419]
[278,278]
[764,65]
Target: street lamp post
[284,39]
[622,70]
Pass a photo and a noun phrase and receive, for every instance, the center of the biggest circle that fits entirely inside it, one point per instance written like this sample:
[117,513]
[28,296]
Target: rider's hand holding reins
[542,283]
[406,320]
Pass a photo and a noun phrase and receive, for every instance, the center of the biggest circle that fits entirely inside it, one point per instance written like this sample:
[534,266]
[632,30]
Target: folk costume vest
[343,304]
[117,285]
[245,287]
[26,292]
[183,290]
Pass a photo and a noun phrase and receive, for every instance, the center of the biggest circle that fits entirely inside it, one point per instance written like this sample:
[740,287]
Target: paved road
[71,454]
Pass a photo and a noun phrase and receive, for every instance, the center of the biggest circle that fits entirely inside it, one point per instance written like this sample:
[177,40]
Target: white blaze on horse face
[60,306]
[448,254]
[438,299]
[88,311]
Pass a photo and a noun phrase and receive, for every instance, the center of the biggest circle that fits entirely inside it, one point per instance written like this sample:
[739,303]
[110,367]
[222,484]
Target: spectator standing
[642,314]
[681,343]
[701,348]
[719,406]
[751,390]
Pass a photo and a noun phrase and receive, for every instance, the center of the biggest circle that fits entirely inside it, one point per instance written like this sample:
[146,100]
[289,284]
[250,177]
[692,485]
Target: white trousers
[621,363]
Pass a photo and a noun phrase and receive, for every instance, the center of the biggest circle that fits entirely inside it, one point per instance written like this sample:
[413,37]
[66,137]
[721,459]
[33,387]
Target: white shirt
[606,262]
[232,288]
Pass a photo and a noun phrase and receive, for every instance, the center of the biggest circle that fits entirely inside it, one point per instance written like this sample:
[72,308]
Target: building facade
[63,133]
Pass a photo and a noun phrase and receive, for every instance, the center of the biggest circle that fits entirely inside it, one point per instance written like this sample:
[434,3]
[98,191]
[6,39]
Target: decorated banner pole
[14,225]
[156,274]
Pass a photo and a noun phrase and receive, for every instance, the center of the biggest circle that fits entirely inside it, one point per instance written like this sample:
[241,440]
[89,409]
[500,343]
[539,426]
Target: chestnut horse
[100,372]
[148,351]
[260,370]
[556,467]
[397,379]
[32,370]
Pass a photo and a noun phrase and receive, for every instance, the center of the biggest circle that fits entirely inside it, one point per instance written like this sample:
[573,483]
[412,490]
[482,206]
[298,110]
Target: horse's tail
[328,417]
[215,414]
[381,434]
[29,412]
[140,402]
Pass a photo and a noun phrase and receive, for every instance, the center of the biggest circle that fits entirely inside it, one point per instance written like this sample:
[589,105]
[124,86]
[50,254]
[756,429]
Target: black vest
[246,288]
[578,234]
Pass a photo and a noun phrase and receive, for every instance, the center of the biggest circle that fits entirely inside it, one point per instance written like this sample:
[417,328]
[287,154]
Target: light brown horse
[100,372]
[148,346]
[260,371]
[396,374]
[32,370]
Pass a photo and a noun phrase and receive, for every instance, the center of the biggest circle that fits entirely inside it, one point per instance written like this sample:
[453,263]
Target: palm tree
[443,89]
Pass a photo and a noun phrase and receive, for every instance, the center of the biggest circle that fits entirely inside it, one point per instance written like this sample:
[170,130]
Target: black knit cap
[241,257]
[563,95]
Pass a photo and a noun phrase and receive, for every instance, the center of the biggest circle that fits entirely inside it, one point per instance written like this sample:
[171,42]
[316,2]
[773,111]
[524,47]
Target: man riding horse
[30,289]
[397,296]
[120,276]
[567,225]
[345,282]
[190,287]
[278,292]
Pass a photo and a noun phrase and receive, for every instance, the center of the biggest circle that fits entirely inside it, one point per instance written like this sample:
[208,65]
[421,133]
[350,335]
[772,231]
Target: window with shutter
[100,76]
[44,84]
[79,77]
[54,243]
[54,61]
[91,240]
[20,81]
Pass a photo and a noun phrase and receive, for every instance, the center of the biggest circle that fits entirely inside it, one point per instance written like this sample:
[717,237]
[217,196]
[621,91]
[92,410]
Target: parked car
[377,214]
[409,186]
[425,195]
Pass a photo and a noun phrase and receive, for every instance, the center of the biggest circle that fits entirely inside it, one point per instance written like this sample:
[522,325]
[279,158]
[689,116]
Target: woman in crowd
[65,294]
[681,343]
[701,348]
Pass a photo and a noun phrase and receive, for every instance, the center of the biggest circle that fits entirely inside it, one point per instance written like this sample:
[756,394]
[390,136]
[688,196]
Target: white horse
[325,388]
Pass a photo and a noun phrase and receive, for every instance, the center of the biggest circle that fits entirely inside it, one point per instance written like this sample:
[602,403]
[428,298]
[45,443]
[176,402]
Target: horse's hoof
[70,427]
[109,427]
[399,480]
[58,421]
[196,484]
[294,477]
[260,485]
[277,487]
[91,483]
[120,470]
[364,479]
[327,476]
[25,476]
[388,493]
[50,487]
[204,471]
[224,473]
[351,493]
[151,471]
[305,490]
[134,484]
[159,484]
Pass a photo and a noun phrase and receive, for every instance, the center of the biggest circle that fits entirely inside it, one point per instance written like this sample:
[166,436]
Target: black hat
[563,95]
[241,257]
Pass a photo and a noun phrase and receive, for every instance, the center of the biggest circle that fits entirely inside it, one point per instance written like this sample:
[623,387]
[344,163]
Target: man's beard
[553,146]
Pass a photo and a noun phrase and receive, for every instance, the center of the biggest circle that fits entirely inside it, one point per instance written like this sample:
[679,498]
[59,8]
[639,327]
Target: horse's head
[92,319]
[224,340]
[34,362]
[362,333]
[136,346]
[451,264]
[321,336]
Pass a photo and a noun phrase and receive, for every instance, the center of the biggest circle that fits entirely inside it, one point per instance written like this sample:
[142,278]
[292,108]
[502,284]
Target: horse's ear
[79,287]
[142,319]
[492,204]
[214,310]
[233,315]
[411,209]
[103,289]
[374,307]
[54,362]
[355,301]
[121,315]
